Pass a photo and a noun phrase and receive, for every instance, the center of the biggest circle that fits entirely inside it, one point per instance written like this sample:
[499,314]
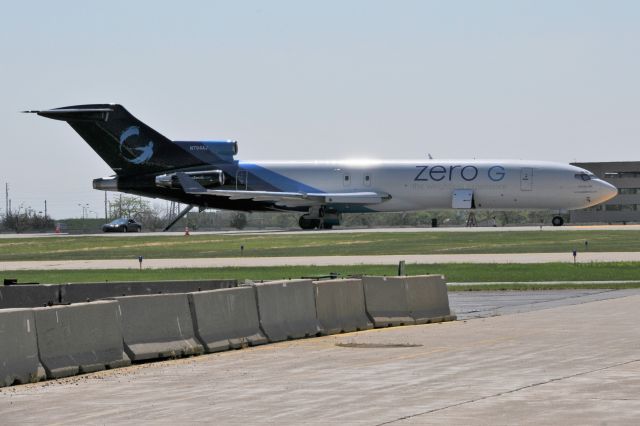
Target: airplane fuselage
[411,185]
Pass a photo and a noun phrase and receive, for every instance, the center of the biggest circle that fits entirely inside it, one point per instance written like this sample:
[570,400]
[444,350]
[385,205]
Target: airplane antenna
[430,157]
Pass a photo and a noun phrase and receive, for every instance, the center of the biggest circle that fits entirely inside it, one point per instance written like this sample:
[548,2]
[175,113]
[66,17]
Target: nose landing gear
[557,221]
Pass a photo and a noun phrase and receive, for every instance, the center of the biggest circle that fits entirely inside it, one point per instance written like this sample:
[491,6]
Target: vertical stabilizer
[126,144]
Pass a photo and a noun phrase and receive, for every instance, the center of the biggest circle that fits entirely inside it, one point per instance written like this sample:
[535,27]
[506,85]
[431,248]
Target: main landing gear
[557,221]
[319,218]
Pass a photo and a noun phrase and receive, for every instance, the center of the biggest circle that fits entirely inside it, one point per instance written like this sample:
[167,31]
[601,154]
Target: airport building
[625,207]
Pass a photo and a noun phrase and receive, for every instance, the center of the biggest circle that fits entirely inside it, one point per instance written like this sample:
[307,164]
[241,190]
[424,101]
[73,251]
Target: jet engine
[206,178]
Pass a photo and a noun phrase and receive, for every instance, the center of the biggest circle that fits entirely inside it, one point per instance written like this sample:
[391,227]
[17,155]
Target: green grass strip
[465,272]
[315,244]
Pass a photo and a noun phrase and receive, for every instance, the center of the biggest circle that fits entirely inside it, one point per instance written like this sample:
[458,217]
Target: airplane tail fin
[125,143]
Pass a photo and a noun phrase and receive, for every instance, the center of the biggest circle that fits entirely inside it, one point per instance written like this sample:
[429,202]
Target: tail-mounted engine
[206,178]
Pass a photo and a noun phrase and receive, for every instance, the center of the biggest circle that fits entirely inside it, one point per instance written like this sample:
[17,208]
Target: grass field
[314,244]
[453,272]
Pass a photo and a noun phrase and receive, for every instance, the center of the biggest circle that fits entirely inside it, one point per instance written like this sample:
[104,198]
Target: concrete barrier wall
[340,306]
[80,338]
[158,326]
[224,319]
[428,299]
[19,361]
[386,301]
[83,292]
[84,337]
[287,309]
[33,296]
[28,296]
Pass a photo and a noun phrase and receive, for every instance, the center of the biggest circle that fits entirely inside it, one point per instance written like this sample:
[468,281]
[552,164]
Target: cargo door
[463,199]
[526,179]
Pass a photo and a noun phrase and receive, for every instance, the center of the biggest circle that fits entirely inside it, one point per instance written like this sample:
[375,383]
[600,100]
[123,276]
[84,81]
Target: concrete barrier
[158,326]
[28,295]
[287,309]
[428,299]
[19,361]
[80,338]
[224,319]
[33,296]
[386,301]
[340,306]
[83,292]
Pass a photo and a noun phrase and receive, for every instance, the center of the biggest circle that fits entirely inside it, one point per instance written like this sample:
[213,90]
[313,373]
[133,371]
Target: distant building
[625,207]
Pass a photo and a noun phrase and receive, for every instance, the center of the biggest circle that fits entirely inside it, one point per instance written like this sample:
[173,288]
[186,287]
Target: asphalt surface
[483,304]
[556,358]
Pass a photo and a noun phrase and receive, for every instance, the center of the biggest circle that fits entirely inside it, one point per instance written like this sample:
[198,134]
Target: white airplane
[206,174]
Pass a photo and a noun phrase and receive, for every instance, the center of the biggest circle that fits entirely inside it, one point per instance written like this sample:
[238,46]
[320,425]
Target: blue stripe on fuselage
[276,180]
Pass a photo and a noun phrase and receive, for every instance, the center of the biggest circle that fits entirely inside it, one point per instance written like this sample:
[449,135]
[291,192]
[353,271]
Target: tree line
[156,217]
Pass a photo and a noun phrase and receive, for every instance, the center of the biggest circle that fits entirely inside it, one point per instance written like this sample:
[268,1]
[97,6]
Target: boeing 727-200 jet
[206,174]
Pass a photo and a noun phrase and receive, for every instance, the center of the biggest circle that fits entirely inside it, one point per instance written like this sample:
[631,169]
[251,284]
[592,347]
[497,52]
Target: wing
[286,199]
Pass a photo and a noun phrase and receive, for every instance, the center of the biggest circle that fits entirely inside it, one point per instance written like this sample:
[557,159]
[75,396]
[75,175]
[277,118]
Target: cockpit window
[583,176]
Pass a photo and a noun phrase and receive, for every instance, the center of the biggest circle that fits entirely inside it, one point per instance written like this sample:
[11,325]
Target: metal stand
[471,220]
[182,213]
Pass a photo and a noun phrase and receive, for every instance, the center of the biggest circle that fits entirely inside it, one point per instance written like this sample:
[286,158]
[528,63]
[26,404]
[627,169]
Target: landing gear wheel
[308,223]
[557,221]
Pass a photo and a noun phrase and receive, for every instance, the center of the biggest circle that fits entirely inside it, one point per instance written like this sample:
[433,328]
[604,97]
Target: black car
[122,225]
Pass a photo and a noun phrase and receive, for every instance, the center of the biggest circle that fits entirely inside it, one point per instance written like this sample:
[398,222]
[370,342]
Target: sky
[541,80]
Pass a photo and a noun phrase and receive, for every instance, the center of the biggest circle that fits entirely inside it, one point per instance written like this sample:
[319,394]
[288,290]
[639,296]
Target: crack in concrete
[494,311]
[499,394]
[576,296]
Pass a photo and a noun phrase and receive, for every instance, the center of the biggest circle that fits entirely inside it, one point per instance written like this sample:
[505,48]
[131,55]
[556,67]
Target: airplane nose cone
[606,191]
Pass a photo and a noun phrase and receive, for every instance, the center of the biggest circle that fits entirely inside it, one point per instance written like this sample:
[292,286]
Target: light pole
[85,210]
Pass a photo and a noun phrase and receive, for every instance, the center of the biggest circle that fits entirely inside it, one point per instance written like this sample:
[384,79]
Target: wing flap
[190,186]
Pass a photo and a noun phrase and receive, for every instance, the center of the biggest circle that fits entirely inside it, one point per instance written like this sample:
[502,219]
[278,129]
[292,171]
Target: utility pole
[6,199]
[106,217]
[45,209]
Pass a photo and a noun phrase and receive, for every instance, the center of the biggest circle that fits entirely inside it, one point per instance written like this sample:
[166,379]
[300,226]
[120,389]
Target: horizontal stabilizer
[75,114]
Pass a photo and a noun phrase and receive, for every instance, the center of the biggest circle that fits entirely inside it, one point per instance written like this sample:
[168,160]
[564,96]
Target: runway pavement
[575,362]
[319,261]
[530,228]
